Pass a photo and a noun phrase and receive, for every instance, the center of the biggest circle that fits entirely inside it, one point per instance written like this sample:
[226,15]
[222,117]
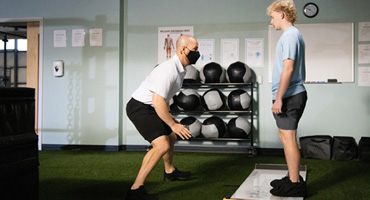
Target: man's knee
[172,137]
[163,149]
[287,135]
[161,145]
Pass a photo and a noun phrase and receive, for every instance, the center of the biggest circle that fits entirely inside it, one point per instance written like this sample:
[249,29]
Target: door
[33,49]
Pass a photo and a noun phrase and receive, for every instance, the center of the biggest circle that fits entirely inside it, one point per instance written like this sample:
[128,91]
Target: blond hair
[285,6]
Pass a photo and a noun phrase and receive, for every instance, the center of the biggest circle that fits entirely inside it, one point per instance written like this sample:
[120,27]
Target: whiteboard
[329,51]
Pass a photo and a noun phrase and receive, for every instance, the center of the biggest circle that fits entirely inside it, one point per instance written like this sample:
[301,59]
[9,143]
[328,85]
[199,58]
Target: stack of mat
[18,145]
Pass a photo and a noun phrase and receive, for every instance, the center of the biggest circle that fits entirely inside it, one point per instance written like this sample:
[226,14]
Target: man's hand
[276,107]
[162,109]
[181,131]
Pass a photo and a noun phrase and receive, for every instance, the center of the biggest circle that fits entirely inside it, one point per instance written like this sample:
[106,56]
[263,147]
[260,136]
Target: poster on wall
[364,31]
[254,52]
[60,38]
[78,37]
[167,37]
[96,37]
[364,54]
[229,51]
[364,76]
[207,52]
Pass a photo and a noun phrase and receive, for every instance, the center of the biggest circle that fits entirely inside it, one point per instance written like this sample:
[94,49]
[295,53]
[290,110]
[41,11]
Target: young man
[289,94]
[148,110]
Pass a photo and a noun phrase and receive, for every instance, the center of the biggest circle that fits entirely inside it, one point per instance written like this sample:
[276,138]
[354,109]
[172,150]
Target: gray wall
[83,106]
[86,106]
[337,110]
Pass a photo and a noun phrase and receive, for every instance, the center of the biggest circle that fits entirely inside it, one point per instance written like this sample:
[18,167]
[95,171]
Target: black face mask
[193,56]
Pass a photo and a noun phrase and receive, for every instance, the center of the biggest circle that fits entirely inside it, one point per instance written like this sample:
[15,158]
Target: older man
[148,110]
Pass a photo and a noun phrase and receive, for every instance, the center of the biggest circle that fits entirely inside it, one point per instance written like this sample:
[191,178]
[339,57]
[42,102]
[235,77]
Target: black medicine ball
[238,100]
[192,75]
[212,73]
[213,99]
[193,125]
[238,72]
[213,127]
[238,128]
[188,99]
[173,106]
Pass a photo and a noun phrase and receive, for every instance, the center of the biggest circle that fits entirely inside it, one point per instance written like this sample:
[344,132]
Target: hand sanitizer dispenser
[58,68]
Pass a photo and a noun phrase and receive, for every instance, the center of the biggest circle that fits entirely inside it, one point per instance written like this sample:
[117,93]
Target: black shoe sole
[290,195]
[139,198]
[176,179]
[177,176]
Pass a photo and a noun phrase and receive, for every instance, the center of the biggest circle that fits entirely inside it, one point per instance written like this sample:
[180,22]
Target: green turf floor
[76,175]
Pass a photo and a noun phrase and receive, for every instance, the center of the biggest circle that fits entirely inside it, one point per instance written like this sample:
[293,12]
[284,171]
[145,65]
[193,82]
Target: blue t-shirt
[290,46]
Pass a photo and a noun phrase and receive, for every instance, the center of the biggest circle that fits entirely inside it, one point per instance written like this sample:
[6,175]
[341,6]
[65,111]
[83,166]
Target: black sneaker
[176,176]
[277,182]
[139,194]
[289,189]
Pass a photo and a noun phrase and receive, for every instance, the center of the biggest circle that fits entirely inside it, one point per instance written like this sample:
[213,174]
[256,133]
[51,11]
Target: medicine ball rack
[251,151]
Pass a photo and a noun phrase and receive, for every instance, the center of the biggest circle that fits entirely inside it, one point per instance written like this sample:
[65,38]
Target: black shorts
[146,120]
[292,111]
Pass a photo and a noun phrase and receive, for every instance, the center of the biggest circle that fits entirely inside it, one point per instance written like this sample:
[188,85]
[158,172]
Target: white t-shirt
[165,80]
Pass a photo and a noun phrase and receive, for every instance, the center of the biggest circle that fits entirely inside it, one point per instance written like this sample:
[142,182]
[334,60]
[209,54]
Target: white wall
[82,107]
[337,110]
[87,105]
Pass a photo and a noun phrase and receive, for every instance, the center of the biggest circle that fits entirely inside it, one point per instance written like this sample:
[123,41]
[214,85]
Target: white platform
[257,185]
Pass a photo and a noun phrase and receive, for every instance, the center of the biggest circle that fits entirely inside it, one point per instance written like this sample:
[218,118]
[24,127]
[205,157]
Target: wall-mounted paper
[364,31]
[96,37]
[229,51]
[78,37]
[364,76]
[60,38]
[167,37]
[364,54]
[207,51]
[254,52]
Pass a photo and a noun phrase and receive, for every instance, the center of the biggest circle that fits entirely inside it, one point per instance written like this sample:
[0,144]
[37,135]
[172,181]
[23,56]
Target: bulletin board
[329,51]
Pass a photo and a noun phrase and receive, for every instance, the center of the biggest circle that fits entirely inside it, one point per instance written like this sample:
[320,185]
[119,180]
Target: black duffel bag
[344,148]
[317,146]
[364,149]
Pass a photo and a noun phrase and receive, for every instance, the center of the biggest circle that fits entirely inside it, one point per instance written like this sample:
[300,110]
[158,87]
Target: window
[16,69]
[9,45]
[22,44]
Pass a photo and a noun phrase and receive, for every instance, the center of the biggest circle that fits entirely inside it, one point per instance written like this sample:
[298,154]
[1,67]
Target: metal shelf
[218,85]
[219,139]
[249,112]
[208,112]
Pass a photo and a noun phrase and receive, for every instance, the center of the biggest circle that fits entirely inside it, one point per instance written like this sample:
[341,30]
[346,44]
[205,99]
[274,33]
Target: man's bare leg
[161,146]
[168,157]
[291,151]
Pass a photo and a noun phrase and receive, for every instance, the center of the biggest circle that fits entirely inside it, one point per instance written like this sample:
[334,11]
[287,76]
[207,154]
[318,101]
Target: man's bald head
[184,45]
[185,40]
